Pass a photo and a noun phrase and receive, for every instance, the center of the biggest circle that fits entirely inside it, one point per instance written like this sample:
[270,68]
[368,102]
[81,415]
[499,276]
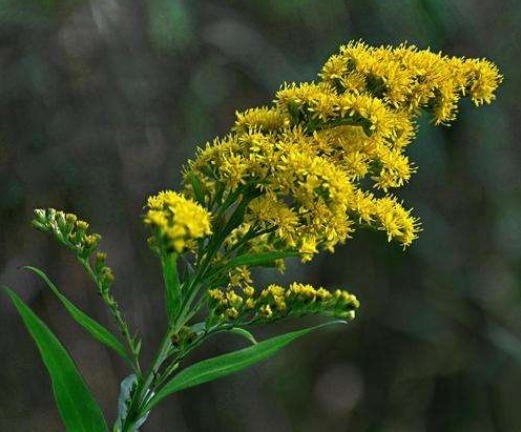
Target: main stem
[138,404]
[144,386]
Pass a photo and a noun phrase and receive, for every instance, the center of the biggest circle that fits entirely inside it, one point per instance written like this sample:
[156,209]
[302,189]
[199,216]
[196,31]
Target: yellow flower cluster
[176,221]
[313,157]
[409,79]
[275,302]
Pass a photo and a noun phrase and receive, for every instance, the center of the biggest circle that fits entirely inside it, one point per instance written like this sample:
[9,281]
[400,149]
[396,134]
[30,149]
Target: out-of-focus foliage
[101,102]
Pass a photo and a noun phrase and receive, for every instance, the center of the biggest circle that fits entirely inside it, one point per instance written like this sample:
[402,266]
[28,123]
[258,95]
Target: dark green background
[102,101]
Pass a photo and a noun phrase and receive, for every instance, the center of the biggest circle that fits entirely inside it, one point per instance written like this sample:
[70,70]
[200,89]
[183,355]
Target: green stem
[135,412]
[179,305]
[342,121]
[213,247]
[146,386]
[132,347]
[117,315]
[195,344]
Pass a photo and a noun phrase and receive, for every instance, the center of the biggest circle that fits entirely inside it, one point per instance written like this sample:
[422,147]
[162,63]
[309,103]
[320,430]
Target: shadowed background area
[102,101]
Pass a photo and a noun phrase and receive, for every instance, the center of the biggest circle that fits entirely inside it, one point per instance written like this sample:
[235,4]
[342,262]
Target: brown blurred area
[101,103]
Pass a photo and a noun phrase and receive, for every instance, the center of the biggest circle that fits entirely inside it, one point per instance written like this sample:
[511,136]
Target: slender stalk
[179,316]
[117,315]
[145,386]
[213,247]
[143,389]
[195,344]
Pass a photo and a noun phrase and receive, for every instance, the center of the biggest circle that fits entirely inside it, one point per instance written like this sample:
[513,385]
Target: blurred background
[102,101]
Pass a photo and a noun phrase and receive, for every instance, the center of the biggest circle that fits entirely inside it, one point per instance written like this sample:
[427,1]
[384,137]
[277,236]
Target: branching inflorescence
[291,179]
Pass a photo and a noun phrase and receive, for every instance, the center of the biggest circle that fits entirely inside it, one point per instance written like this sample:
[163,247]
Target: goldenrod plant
[291,179]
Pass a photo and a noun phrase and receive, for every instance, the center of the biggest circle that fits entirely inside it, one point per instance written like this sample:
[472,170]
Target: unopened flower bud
[60,219]
[232,313]
[92,240]
[82,225]
[71,218]
[107,275]
[39,215]
[101,257]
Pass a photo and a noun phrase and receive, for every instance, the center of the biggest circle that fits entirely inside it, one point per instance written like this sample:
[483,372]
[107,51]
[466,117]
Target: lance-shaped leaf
[262,259]
[197,188]
[127,388]
[226,364]
[96,330]
[172,285]
[78,408]
[243,333]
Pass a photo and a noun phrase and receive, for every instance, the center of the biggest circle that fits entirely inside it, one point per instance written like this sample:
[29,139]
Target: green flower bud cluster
[73,233]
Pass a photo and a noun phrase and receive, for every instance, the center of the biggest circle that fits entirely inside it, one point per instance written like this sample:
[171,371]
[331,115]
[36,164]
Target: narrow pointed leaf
[197,187]
[96,330]
[198,328]
[78,408]
[127,388]
[172,285]
[243,333]
[226,364]
[263,259]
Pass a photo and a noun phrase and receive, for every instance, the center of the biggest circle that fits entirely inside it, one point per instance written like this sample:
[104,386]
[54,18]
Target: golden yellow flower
[326,155]
[176,220]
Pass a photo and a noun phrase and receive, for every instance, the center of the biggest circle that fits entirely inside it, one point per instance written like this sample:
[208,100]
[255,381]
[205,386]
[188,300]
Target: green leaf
[96,330]
[127,388]
[244,333]
[198,328]
[78,409]
[197,187]
[226,364]
[172,285]
[263,259]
